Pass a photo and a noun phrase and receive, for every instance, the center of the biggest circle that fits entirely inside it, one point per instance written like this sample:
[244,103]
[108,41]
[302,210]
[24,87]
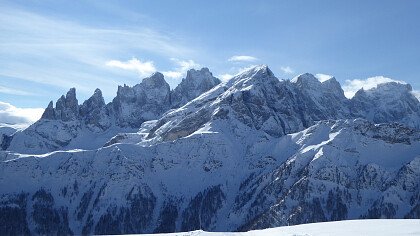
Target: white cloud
[182,67]
[10,114]
[143,68]
[416,94]
[323,77]
[45,50]
[225,77]
[287,69]
[242,58]
[352,86]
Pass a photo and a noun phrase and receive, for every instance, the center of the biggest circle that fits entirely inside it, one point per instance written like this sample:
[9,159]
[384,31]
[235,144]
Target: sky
[47,47]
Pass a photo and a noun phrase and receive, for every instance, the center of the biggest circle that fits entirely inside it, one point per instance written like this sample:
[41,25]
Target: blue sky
[50,46]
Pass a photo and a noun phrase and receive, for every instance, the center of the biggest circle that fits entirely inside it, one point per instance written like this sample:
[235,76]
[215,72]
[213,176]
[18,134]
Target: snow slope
[242,180]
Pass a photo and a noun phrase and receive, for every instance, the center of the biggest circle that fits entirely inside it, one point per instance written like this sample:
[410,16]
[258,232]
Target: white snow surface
[377,227]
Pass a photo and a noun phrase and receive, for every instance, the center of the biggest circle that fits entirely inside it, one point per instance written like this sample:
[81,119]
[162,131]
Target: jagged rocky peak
[315,89]
[93,111]
[305,79]
[197,76]
[309,81]
[49,112]
[145,101]
[332,83]
[389,90]
[254,76]
[155,88]
[260,71]
[388,102]
[66,108]
[193,85]
[96,101]
[156,80]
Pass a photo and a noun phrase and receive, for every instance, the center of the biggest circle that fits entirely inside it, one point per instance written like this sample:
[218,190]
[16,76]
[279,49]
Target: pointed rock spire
[95,102]
[49,112]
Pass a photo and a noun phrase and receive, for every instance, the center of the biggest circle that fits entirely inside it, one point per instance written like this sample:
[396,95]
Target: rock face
[250,153]
[66,108]
[261,101]
[145,101]
[389,102]
[196,83]
[325,100]
[68,124]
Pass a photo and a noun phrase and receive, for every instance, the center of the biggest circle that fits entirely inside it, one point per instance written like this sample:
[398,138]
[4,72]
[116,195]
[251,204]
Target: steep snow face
[388,102]
[145,101]
[195,83]
[250,98]
[217,181]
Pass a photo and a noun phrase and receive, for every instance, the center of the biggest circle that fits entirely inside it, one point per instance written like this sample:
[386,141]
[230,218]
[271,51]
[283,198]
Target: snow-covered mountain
[68,125]
[250,153]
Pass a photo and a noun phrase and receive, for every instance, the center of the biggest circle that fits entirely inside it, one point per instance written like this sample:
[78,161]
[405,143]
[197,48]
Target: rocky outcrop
[388,102]
[195,83]
[145,101]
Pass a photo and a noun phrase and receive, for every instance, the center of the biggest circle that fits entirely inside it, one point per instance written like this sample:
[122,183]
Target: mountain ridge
[249,153]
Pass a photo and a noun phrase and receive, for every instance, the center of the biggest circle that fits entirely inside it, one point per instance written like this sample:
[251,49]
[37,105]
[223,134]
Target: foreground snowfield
[381,227]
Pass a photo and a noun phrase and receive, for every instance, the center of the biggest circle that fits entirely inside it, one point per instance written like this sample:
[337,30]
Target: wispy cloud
[242,58]
[143,68]
[225,77]
[12,91]
[10,114]
[45,50]
[352,86]
[287,70]
[182,66]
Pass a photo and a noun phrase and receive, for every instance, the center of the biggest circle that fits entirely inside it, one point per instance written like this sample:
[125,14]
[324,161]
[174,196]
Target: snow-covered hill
[251,153]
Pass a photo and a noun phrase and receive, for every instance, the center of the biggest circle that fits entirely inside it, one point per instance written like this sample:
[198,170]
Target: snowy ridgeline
[336,228]
[251,153]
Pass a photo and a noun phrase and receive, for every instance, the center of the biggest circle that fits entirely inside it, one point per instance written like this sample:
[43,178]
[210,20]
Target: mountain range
[249,153]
